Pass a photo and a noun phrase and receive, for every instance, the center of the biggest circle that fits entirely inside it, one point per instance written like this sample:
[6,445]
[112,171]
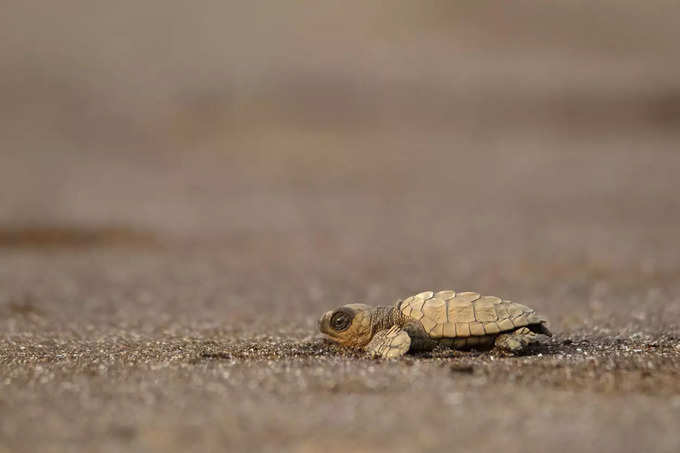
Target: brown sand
[169,236]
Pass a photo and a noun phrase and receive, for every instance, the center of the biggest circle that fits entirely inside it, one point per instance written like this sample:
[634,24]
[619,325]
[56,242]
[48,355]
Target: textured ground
[169,236]
[128,339]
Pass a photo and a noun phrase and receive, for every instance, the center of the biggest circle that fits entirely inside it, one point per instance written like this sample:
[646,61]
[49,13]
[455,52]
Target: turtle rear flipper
[516,341]
[389,343]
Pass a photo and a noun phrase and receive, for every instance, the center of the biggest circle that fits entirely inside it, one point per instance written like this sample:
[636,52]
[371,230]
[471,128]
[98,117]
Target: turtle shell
[448,314]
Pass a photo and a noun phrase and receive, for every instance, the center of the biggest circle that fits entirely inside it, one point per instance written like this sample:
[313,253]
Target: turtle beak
[324,325]
[323,322]
[327,338]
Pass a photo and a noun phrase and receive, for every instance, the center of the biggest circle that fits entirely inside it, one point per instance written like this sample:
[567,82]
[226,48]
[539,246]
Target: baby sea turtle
[421,322]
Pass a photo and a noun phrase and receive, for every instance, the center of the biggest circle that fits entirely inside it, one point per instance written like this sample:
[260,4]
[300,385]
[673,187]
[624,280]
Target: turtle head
[349,325]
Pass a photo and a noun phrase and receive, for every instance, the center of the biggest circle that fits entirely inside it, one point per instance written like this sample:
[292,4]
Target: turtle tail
[540,328]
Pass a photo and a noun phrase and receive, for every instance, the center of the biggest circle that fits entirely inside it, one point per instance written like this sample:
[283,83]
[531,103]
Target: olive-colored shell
[448,314]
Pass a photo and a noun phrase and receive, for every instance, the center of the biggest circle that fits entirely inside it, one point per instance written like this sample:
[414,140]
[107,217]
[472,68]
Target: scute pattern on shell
[448,314]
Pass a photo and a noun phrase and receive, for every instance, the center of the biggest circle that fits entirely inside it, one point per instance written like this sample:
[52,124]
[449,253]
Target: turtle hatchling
[419,323]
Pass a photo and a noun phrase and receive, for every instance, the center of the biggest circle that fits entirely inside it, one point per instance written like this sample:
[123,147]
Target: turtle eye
[340,321]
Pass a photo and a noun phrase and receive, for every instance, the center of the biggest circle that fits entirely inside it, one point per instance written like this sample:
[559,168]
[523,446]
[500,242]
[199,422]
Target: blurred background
[454,140]
[397,146]
[237,167]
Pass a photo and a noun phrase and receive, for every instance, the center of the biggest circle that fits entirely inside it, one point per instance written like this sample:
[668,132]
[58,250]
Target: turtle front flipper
[389,343]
